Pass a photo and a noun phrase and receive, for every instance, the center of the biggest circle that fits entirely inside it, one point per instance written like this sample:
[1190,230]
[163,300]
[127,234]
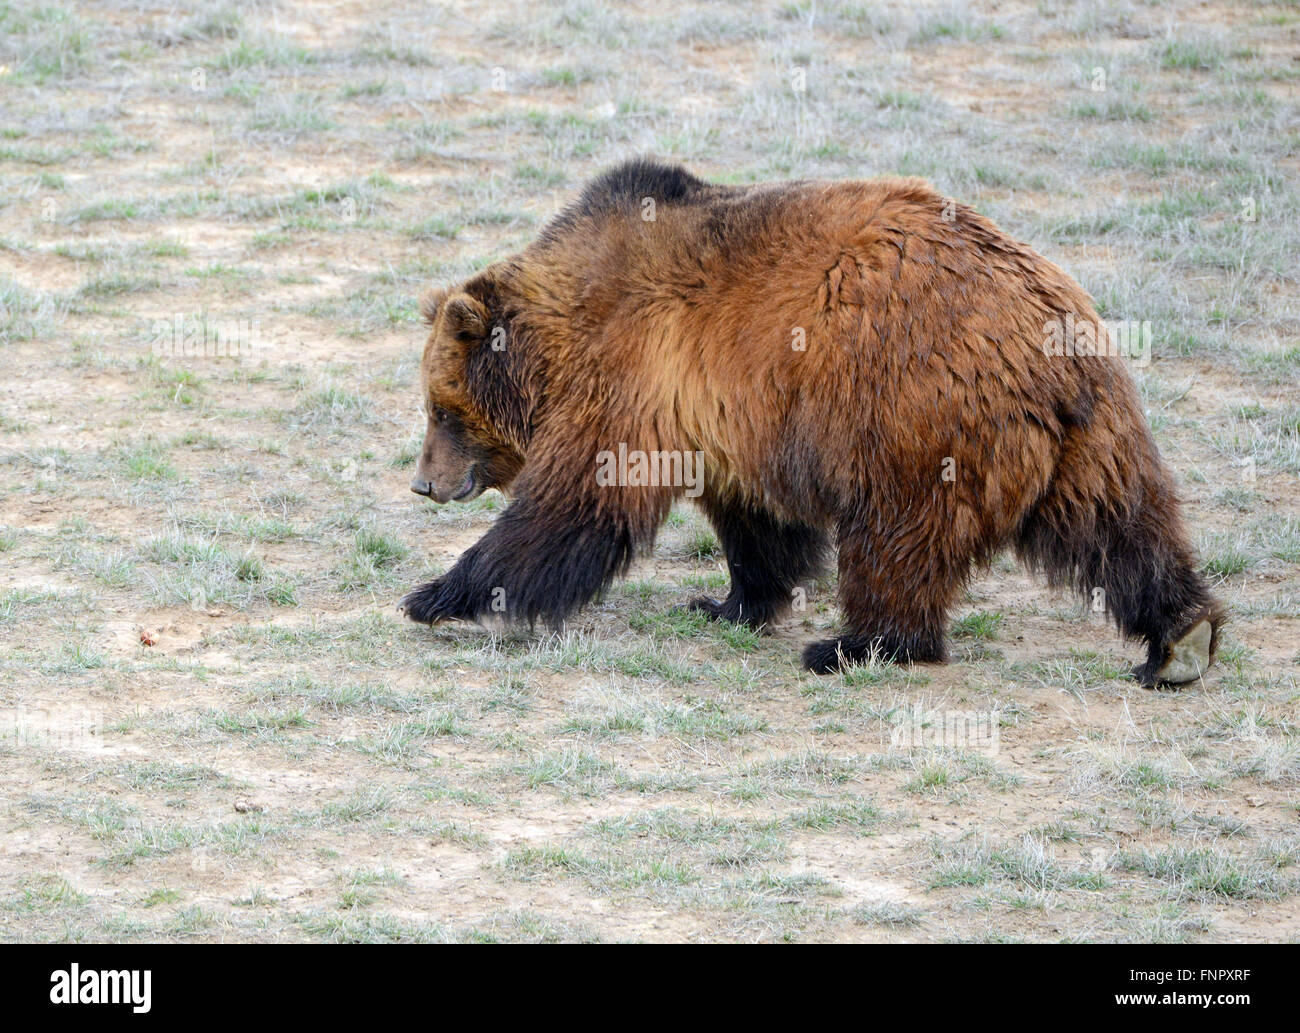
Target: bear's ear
[467,317]
[430,301]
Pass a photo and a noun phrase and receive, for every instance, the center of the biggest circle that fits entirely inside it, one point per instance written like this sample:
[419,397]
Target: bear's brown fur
[862,362]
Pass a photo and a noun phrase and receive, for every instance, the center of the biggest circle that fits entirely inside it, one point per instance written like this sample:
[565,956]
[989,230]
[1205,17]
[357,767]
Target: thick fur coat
[860,363]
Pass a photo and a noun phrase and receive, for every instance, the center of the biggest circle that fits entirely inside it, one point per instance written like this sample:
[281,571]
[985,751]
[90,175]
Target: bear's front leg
[543,558]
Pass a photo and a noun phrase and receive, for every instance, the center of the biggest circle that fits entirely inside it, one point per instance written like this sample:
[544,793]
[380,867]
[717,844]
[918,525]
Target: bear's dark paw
[826,656]
[834,654]
[711,608]
[424,604]
[726,610]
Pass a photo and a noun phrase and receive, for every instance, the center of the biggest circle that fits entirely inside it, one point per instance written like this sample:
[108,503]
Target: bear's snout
[462,491]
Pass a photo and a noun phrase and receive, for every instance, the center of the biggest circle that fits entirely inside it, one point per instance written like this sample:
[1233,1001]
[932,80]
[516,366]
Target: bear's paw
[424,604]
[1188,658]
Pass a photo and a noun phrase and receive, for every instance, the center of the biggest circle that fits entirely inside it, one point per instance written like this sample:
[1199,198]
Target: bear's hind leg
[894,596]
[767,559]
[1139,564]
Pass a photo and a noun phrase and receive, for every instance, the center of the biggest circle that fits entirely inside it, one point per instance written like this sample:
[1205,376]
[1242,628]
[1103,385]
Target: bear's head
[474,403]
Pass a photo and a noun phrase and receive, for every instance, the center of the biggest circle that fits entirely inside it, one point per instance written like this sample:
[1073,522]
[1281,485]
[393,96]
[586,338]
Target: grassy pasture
[213,724]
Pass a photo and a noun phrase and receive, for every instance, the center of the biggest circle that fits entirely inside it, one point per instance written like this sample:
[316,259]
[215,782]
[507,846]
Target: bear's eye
[440,415]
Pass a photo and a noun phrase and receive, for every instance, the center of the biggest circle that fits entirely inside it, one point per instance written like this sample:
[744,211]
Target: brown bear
[864,363]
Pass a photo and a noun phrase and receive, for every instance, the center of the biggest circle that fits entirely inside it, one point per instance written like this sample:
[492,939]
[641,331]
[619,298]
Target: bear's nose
[421,487]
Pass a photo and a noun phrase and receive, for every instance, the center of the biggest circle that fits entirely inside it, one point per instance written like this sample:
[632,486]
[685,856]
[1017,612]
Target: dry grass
[214,725]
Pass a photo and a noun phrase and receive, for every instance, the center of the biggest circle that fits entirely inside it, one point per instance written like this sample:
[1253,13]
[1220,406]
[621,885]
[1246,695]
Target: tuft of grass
[199,571]
[1223,556]
[955,25]
[570,771]
[1201,873]
[331,408]
[1190,55]
[27,315]
[1114,109]
[47,42]
[1030,863]
[982,625]
[888,913]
